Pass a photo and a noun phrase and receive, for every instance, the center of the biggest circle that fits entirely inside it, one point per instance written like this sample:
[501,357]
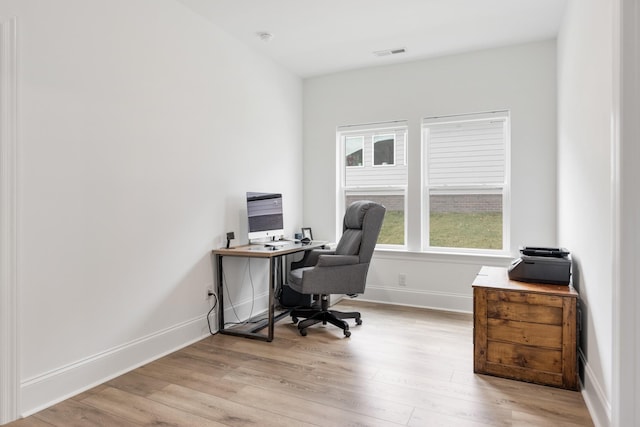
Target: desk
[276,268]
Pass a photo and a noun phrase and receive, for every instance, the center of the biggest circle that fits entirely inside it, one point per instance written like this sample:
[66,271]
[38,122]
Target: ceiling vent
[390,52]
[265,36]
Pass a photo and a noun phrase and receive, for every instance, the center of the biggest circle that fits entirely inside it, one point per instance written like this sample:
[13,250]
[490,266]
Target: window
[384,150]
[354,148]
[461,193]
[465,169]
[374,168]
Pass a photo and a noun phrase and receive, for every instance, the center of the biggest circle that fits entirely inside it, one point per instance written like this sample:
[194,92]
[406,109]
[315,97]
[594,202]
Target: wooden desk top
[262,251]
[497,278]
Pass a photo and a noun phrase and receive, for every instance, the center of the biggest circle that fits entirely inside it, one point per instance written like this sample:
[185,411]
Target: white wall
[521,79]
[140,128]
[585,99]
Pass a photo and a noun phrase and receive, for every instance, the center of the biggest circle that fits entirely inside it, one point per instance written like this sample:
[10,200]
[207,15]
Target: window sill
[449,257]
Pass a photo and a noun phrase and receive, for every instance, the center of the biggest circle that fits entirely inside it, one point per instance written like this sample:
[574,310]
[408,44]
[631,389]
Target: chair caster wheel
[294,320]
[358,321]
[347,333]
[303,332]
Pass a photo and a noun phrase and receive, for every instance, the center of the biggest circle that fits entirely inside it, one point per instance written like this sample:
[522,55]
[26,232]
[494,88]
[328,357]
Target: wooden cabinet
[525,331]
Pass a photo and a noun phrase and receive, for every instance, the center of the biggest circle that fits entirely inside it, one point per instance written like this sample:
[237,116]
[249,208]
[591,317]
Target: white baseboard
[418,298]
[594,397]
[47,389]
[51,387]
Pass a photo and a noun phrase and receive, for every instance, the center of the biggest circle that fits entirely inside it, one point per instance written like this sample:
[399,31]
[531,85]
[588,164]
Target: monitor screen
[264,211]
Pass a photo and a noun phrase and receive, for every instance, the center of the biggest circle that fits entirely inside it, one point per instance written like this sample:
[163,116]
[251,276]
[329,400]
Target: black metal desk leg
[273,271]
[220,278]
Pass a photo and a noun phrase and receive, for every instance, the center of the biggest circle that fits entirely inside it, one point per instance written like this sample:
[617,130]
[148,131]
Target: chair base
[324,315]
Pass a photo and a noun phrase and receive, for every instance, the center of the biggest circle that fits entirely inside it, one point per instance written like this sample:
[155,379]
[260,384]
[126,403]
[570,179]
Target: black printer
[542,265]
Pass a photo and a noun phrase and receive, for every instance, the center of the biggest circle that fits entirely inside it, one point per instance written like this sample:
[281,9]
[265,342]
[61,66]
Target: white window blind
[466,152]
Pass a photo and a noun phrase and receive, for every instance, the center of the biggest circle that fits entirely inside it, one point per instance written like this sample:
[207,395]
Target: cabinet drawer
[535,358]
[525,298]
[524,312]
[535,334]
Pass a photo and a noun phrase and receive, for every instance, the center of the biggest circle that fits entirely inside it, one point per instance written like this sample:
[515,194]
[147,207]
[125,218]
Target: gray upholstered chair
[341,271]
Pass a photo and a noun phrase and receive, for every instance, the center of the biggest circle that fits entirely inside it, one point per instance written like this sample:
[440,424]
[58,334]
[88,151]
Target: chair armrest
[311,258]
[336,260]
[316,254]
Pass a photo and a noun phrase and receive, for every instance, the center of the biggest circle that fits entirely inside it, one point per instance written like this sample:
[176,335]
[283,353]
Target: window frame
[505,186]
[376,129]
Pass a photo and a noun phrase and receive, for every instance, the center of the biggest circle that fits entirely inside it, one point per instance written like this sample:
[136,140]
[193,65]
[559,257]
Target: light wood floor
[401,367]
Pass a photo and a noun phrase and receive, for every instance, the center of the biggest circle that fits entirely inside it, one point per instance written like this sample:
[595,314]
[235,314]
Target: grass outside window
[392,232]
[450,230]
[477,230]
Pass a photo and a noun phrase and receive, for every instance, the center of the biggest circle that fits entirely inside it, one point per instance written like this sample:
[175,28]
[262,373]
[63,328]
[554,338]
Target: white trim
[417,298]
[9,360]
[467,258]
[626,211]
[59,384]
[393,124]
[599,408]
[506,191]
[467,117]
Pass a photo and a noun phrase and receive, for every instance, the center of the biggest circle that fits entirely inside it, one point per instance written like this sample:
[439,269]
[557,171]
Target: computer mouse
[305,240]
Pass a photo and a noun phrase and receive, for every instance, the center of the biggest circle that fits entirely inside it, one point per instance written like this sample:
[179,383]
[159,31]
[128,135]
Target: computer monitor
[264,211]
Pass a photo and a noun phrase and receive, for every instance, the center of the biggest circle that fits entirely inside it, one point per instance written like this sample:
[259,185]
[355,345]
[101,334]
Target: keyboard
[277,243]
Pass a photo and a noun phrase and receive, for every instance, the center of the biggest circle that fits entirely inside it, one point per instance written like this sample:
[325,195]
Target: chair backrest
[361,227]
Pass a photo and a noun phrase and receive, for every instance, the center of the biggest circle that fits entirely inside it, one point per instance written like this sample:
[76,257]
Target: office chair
[341,271]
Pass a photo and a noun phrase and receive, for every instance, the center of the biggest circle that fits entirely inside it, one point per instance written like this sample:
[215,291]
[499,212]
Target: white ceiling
[311,38]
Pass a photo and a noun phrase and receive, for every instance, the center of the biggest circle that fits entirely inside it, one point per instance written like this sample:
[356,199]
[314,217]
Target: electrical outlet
[209,293]
[402,279]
